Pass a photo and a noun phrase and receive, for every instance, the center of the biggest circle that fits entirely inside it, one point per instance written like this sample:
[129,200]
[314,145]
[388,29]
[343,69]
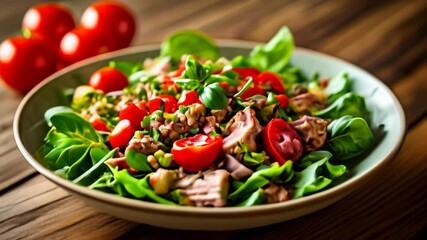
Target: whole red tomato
[108,79]
[81,43]
[110,17]
[281,141]
[52,20]
[197,152]
[24,62]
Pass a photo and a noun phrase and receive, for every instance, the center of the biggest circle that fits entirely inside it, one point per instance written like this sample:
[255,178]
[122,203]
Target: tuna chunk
[237,169]
[212,190]
[312,131]
[242,128]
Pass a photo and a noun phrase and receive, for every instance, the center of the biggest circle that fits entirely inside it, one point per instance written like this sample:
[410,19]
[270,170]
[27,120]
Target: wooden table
[388,38]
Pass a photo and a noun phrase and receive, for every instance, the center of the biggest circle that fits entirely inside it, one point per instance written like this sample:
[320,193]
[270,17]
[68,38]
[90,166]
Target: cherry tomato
[24,62]
[134,114]
[52,20]
[81,43]
[251,91]
[283,100]
[270,81]
[281,141]
[98,124]
[108,79]
[168,101]
[110,17]
[247,72]
[197,152]
[188,98]
[121,134]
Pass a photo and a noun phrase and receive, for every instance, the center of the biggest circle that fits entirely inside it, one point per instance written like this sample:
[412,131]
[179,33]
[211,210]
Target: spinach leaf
[338,86]
[139,188]
[95,171]
[317,175]
[189,42]
[348,104]
[138,161]
[256,198]
[259,179]
[349,136]
[69,144]
[276,54]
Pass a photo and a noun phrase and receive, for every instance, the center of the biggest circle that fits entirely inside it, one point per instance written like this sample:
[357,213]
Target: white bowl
[30,129]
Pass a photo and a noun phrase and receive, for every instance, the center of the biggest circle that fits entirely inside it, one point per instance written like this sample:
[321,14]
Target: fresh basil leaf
[213,96]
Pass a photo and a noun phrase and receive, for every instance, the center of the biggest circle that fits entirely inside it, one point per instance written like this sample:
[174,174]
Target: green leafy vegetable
[348,104]
[138,161]
[349,136]
[189,42]
[338,86]
[317,175]
[259,179]
[89,176]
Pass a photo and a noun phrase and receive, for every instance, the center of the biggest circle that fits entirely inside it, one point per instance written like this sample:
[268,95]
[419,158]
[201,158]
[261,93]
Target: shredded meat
[312,131]
[242,128]
[303,103]
[237,170]
[212,190]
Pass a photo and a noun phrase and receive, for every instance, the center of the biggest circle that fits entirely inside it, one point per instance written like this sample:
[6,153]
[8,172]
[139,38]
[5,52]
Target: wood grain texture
[387,38]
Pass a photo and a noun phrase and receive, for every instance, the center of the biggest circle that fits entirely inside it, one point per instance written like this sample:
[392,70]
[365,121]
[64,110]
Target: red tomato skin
[80,43]
[251,91]
[121,134]
[283,100]
[110,17]
[52,20]
[271,81]
[188,98]
[24,62]
[108,79]
[99,125]
[194,157]
[247,72]
[170,103]
[134,114]
[274,136]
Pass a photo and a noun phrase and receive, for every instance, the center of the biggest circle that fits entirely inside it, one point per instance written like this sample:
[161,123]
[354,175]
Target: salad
[193,128]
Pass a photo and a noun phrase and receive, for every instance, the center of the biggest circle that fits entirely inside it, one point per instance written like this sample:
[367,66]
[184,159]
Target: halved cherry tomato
[134,114]
[110,17]
[251,91]
[24,62]
[283,100]
[188,98]
[108,79]
[81,43]
[52,20]
[247,72]
[270,81]
[197,152]
[98,124]
[281,141]
[121,134]
[169,102]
